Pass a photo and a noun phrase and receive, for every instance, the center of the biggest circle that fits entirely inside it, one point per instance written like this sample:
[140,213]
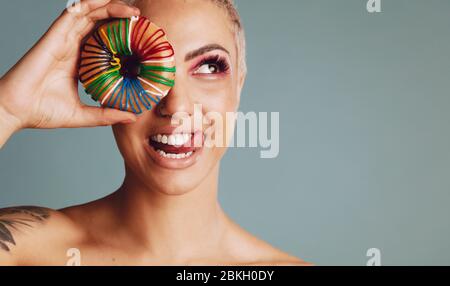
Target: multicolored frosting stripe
[102,65]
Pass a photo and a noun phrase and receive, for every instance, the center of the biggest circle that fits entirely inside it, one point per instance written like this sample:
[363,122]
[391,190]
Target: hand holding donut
[41,90]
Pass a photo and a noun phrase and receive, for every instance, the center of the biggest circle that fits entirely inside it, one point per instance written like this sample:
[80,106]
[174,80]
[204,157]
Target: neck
[178,227]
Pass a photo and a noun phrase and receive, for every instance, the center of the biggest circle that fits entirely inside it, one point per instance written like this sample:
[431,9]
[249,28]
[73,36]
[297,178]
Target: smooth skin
[162,214]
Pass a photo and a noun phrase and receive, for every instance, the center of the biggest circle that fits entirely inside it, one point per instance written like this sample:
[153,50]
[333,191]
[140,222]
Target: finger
[84,7]
[90,116]
[75,11]
[112,10]
[94,20]
[79,21]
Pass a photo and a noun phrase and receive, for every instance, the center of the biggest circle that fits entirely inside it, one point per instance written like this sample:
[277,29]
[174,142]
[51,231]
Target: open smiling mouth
[176,146]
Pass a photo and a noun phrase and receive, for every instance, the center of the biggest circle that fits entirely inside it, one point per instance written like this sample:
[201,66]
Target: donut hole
[130,66]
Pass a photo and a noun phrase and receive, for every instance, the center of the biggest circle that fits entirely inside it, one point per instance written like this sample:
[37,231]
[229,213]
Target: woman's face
[207,80]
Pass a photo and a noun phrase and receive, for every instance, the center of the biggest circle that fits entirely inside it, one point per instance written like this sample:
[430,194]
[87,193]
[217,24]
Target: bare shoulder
[260,253]
[30,233]
[272,256]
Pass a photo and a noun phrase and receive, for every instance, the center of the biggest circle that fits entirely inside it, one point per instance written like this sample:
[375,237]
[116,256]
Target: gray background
[364,157]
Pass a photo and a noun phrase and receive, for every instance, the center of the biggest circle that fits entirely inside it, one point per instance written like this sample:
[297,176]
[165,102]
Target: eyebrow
[198,52]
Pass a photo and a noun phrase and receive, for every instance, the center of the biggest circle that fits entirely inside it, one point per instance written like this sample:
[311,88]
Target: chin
[172,176]
[175,183]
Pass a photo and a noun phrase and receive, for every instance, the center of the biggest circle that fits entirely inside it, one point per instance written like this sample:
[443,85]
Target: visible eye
[212,65]
[207,68]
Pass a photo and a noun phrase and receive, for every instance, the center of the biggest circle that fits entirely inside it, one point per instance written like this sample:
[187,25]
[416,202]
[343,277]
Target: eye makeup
[211,65]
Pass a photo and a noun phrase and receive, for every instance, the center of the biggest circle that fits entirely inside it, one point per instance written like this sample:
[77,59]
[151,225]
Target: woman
[166,212]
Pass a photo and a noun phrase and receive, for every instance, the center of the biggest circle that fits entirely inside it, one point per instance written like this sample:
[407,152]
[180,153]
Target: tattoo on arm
[17,217]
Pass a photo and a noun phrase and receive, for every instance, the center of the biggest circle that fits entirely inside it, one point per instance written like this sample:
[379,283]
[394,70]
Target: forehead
[190,24]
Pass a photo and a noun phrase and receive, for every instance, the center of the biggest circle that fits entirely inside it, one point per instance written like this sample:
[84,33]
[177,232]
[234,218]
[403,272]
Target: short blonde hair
[230,8]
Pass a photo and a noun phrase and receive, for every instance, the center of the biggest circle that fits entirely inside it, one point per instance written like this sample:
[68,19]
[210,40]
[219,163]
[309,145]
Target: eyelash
[221,63]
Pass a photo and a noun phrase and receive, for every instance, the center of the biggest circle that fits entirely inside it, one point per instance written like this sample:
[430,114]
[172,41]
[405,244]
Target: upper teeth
[173,139]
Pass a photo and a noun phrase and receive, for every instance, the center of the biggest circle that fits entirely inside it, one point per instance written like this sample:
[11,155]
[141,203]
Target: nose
[177,100]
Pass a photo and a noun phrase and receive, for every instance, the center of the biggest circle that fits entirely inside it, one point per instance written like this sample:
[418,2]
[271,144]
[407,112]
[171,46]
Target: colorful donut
[128,64]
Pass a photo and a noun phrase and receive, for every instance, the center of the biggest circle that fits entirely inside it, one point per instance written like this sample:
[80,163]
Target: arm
[31,235]
[13,223]
[8,123]
[41,90]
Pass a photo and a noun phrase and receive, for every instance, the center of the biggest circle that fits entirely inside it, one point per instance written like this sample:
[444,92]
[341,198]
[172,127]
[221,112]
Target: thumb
[90,116]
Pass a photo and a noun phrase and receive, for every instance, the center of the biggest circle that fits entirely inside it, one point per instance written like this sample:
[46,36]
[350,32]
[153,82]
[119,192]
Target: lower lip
[171,163]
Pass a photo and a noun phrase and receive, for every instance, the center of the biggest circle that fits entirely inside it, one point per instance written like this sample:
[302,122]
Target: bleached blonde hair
[230,8]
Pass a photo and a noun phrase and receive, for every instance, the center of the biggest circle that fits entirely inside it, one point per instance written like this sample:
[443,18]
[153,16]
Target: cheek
[136,130]
[129,138]
[218,96]
[218,99]
[219,104]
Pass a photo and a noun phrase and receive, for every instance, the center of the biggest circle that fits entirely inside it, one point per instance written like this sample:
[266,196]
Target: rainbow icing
[128,64]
